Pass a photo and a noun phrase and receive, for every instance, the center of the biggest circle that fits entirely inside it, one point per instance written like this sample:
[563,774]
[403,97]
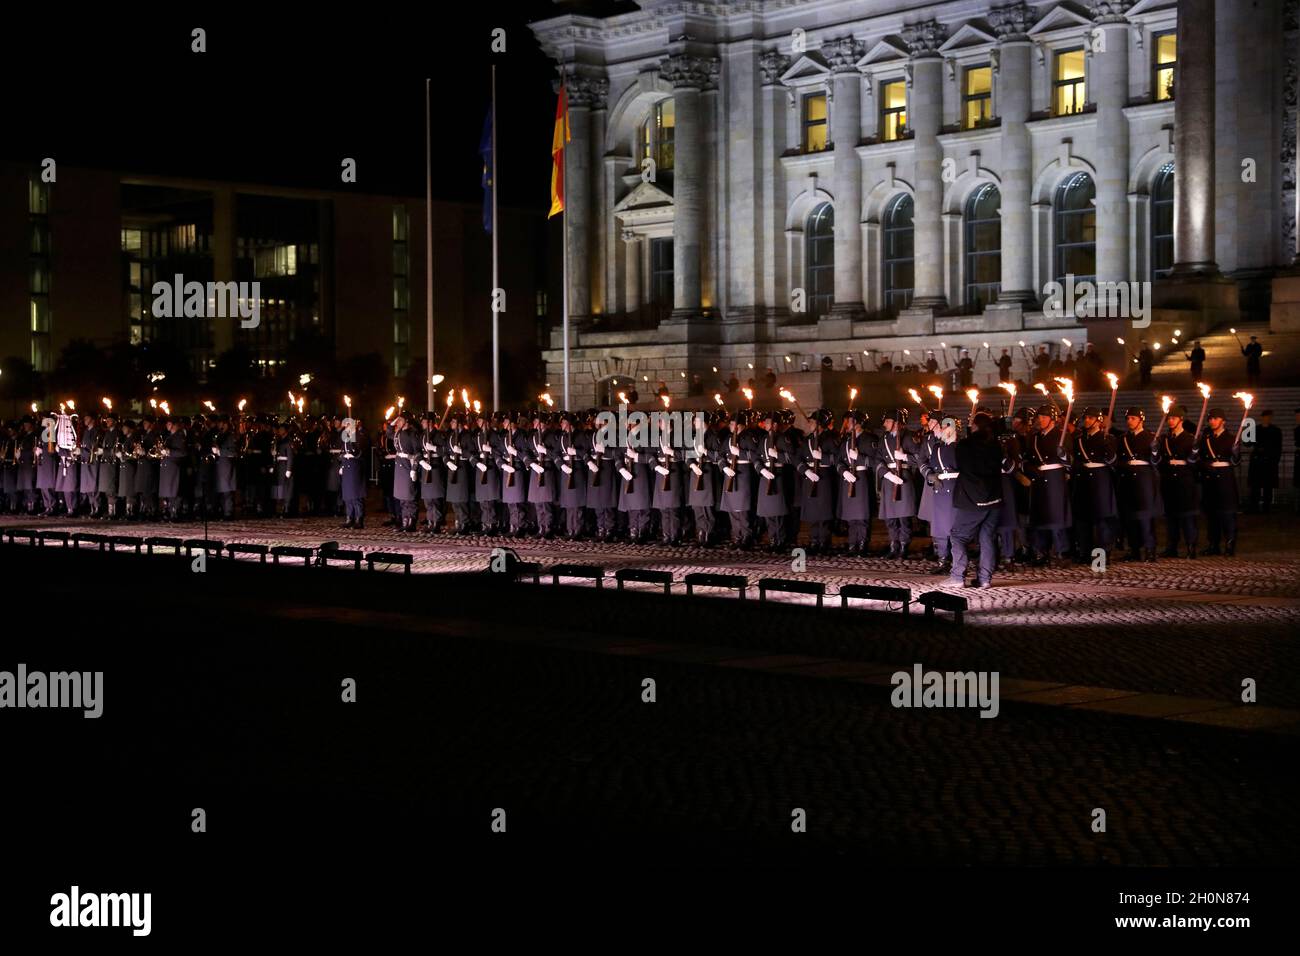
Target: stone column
[577,196]
[688,75]
[1194,140]
[845,95]
[925,115]
[1109,79]
[773,284]
[1014,82]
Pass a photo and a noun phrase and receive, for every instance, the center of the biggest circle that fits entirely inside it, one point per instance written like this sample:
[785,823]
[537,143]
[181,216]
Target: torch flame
[1166,402]
[292,400]
[478,406]
[108,403]
[347,400]
[33,408]
[1067,388]
[1041,387]
[401,402]
[300,401]
[72,405]
[911,391]
[388,412]
[1113,379]
[667,400]
[1205,389]
[451,398]
[167,409]
[208,405]
[973,394]
[853,393]
[937,391]
[1010,387]
[622,398]
[748,393]
[717,397]
[1247,399]
[242,403]
[786,394]
[464,396]
[153,403]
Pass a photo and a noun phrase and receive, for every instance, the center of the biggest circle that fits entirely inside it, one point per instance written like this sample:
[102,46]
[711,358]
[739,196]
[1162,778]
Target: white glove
[216,452]
[627,475]
[729,471]
[853,453]
[412,474]
[593,466]
[767,474]
[850,477]
[566,469]
[508,469]
[599,447]
[166,453]
[817,454]
[734,449]
[812,475]
[510,450]
[537,468]
[889,476]
[696,468]
[661,469]
[480,466]
[426,466]
[289,474]
[451,465]
[667,451]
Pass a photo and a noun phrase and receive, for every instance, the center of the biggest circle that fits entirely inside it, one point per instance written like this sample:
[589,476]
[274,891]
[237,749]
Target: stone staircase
[1224,363]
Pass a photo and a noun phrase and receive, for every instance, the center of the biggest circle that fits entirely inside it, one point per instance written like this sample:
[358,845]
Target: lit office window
[893,110]
[1166,59]
[38,197]
[1070,90]
[977,97]
[656,135]
[814,123]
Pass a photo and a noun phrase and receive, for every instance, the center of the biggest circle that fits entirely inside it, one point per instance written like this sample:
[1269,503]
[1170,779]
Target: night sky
[282,101]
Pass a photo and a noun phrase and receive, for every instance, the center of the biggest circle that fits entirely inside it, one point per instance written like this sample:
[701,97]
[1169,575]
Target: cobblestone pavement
[711,771]
[1195,628]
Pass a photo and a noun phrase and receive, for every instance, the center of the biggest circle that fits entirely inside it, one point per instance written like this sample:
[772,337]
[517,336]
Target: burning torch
[1114,392]
[1166,403]
[974,395]
[1010,388]
[1247,400]
[1067,389]
[1205,404]
[937,392]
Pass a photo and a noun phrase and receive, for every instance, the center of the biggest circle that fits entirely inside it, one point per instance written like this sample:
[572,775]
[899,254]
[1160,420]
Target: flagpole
[496,341]
[564,226]
[428,250]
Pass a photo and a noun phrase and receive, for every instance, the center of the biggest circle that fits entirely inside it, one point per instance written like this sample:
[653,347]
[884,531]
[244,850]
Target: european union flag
[485,153]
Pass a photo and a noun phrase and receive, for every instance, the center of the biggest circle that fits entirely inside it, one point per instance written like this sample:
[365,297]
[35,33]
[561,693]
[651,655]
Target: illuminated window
[131,240]
[977,97]
[1166,60]
[899,264]
[38,197]
[983,245]
[893,110]
[1076,229]
[656,136]
[820,238]
[814,122]
[1070,90]
[1162,222]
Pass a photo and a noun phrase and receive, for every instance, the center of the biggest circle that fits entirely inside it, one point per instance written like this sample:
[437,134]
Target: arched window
[1162,222]
[819,238]
[898,265]
[983,246]
[655,138]
[1076,229]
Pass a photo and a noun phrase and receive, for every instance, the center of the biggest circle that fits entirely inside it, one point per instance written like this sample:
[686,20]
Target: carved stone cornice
[924,39]
[685,71]
[842,54]
[1109,11]
[1012,21]
[772,64]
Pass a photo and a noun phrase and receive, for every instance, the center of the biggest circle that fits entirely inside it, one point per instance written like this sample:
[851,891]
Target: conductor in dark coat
[977,493]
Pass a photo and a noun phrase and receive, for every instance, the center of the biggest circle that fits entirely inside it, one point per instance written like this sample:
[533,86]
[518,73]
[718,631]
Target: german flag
[558,139]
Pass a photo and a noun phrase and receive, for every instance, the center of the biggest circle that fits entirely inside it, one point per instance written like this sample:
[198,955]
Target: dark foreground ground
[223,692]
